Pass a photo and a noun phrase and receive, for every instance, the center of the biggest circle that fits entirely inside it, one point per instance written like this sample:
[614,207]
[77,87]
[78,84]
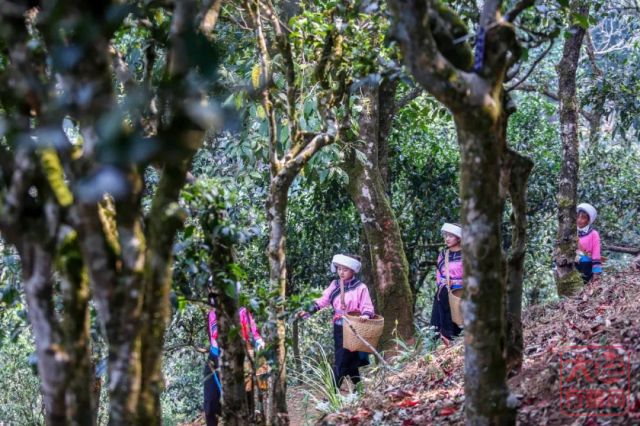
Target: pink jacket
[455,270]
[590,246]
[356,298]
[248,331]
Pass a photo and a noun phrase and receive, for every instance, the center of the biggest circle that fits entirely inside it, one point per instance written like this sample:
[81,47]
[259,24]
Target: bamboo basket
[369,329]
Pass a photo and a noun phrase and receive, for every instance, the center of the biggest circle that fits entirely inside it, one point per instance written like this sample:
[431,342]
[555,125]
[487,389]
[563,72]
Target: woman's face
[450,240]
[344,273]
[583,219]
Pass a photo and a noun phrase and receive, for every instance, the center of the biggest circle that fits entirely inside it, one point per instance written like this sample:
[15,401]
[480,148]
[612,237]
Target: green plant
[318,378]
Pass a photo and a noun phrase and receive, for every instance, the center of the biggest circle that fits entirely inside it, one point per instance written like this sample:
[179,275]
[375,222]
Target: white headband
[452,229]
[589,210]
[342,260]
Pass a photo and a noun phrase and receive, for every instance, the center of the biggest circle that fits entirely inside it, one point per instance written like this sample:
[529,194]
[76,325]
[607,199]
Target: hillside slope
[430,391]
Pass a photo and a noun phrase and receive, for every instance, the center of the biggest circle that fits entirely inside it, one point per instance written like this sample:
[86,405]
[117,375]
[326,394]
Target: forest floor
[564,341]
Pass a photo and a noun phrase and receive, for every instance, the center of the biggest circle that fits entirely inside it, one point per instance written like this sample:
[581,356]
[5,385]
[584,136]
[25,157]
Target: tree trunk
[295,343]
[485,369]
[568,280]
[163,224]
[235,410]
[366,188]
[519,169]
[81,401]
[276,217]
[53,360]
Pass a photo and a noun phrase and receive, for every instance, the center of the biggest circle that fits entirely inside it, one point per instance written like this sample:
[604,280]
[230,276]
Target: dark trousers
[346,362]
[586,270]
[441,314]
[212,392]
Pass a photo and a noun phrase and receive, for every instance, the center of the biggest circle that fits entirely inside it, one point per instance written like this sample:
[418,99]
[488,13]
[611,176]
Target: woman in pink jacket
[441,311]
[588,256]
[347,294]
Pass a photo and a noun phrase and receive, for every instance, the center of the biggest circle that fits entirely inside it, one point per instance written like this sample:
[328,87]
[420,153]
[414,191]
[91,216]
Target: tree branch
[520,7]
[407,98]
[209,14]
[622,249]
[592,55]
[551,95]
[253,9]
[282,43]
[427,64]
[533,67]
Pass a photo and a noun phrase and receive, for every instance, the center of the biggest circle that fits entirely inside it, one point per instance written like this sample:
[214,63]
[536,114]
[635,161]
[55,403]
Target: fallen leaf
[408,402]
[447,411]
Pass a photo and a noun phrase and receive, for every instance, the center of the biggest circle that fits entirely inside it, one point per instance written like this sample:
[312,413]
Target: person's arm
[595,255]
[213,333]
[320,303]
[324,300]
[366,306]
[258,342]
[438,260]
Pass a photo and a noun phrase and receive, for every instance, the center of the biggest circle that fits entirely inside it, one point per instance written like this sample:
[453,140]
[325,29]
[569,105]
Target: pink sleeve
[438,269]
[366,306]
[595,250]
[324,300]
[253,327]
[213,328]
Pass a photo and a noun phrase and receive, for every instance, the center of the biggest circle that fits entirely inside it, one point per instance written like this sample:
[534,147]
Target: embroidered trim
[351,285]
[585,233]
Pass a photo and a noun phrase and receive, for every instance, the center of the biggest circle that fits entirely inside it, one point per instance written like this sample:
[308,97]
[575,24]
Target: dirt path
[301,408]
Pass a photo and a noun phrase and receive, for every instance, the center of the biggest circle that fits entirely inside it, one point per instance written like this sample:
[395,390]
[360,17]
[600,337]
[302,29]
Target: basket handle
[446,269]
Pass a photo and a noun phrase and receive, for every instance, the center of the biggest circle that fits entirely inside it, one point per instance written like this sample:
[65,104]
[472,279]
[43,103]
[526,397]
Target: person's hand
[364,317]
[303,315]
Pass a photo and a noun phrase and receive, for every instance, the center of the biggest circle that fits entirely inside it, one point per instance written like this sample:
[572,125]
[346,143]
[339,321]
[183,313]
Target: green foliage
[20,400]
[424,186]
[13,314]
[183,365]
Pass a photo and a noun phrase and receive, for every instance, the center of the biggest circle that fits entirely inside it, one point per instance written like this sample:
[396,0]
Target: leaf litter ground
[430,391]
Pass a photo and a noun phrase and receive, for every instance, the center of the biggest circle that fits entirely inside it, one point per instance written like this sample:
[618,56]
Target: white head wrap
[452,229]
[588,209]
[342,260]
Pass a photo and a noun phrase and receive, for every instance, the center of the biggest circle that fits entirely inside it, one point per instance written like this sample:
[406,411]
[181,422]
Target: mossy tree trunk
[35,224]
[127,270]
[37,275]
[518,169]
[81,402]
[367,190]
[472,87]
[185,136]
[286,160]
[568,280]
[222,241]
[276,217]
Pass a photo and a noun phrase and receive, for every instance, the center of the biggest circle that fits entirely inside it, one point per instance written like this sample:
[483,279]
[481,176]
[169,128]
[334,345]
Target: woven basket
[455,303]
[369,329]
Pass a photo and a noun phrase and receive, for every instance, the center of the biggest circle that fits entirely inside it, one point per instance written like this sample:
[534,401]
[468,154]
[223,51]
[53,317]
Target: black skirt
[212,392]
[441,315]
[346,362]
[586,270]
